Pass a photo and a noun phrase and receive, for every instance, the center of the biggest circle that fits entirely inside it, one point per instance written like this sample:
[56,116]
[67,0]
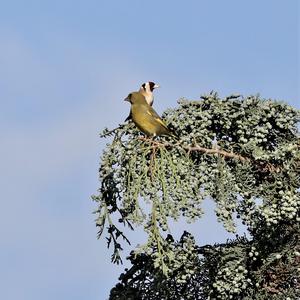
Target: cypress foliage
[244,153]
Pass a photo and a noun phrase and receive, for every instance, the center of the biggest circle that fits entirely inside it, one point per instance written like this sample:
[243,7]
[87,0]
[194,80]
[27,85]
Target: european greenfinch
[146,90]
[145,117]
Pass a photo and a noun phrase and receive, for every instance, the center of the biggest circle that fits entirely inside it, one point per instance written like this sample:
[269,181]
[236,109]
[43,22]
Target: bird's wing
[153,113]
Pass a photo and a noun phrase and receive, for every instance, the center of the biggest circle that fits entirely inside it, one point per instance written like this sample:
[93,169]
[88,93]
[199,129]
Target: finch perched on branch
[146,90]
[145,117]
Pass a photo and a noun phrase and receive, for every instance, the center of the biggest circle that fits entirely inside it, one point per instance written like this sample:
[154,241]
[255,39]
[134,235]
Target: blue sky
[65,67]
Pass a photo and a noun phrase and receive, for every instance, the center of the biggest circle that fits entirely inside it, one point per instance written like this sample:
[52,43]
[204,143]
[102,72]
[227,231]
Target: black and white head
[147,89]
[149,86]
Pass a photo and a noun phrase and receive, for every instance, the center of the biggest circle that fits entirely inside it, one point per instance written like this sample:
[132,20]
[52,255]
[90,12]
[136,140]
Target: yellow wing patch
[159,120]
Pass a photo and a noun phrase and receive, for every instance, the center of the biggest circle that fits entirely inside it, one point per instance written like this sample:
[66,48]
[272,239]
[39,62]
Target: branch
[190,148]
[263,167]
[215,151]
[107,132]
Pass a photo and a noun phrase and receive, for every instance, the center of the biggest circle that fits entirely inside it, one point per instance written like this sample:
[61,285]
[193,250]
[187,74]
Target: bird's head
[128,98]
[149,87]
[135,97]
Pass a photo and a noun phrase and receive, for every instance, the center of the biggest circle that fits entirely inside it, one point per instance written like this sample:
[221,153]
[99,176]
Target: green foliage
[241,152]
[145,281]
[240,269]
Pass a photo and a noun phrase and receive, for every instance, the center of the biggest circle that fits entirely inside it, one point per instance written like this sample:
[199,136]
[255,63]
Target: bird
[146,118]
[146,90]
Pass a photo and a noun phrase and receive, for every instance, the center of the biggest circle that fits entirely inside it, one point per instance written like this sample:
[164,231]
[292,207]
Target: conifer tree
[244,153]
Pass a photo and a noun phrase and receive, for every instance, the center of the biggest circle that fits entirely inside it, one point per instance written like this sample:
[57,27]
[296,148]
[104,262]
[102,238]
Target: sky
[65,67]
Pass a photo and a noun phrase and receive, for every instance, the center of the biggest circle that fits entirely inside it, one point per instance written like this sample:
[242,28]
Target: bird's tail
[173,134]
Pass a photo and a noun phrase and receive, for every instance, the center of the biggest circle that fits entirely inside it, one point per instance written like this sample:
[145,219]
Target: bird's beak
[127,99]
[156,86]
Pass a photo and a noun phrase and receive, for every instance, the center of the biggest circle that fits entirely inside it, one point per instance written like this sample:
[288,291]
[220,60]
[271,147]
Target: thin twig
[110,132]
[262,166]
[190,148]
[215,151]
[152,162]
